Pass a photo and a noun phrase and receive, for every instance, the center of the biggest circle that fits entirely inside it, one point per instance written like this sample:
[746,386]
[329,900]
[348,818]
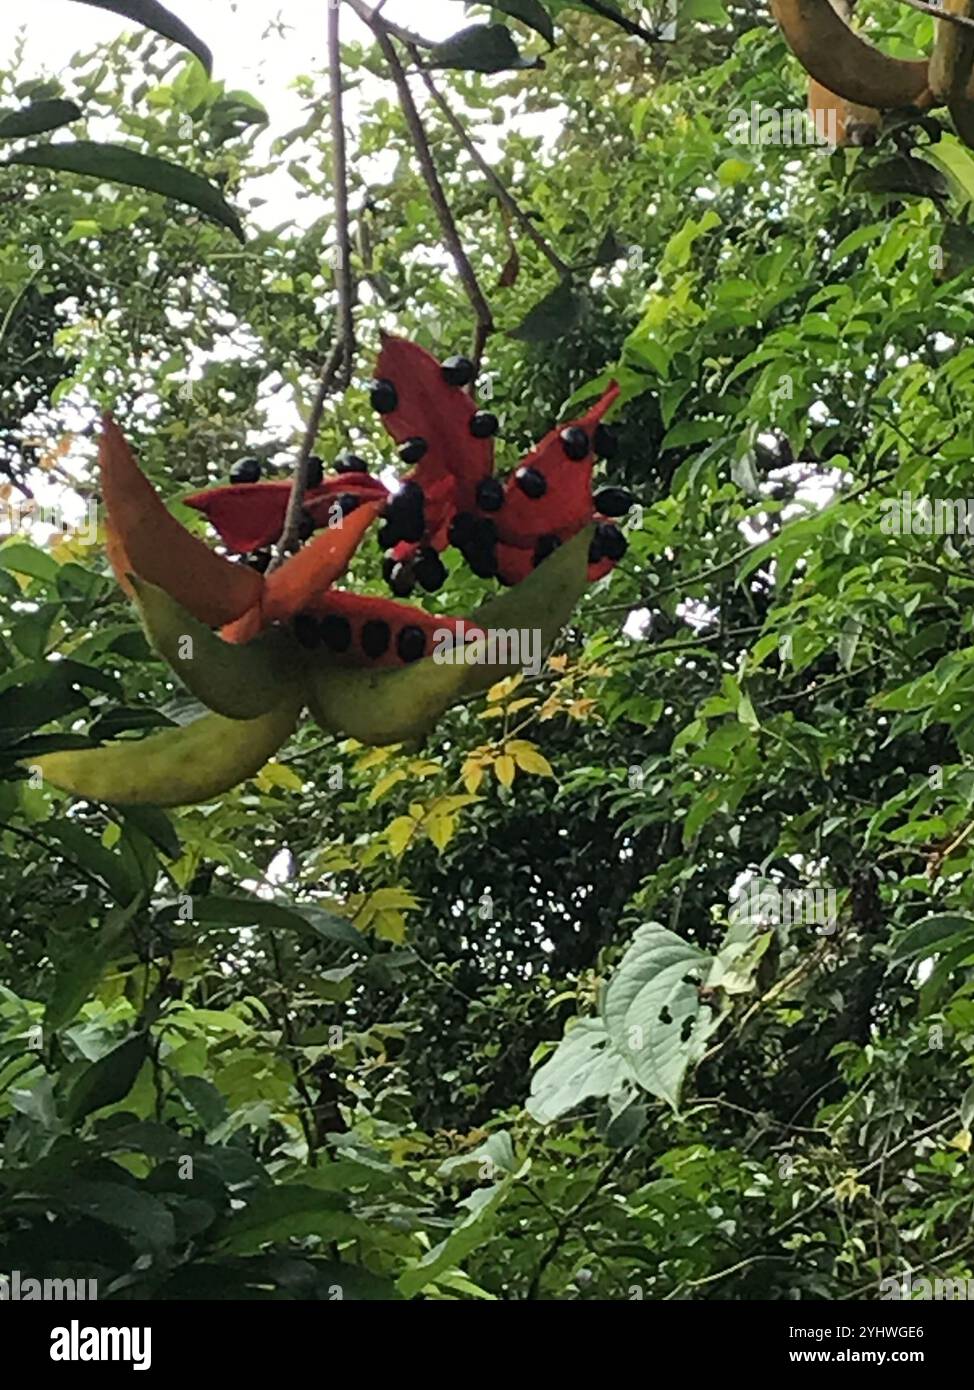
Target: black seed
[375,638]
[546,545]
[384,396]
[413,450]
[347,502]
[350,463]
[306,526]
[482,561]
[430,571]
[608,543]
[307,631]
[532,483]
[458,371]
[246,471]
[385,538]
[686,1029]
[411,643]
[463,528]
[575,443]
[404,515]
[336,632]
[606,442]
[490,494]
[483,425]
[402,580]
[613,501]
[389,563]
[259,561]
[316,471]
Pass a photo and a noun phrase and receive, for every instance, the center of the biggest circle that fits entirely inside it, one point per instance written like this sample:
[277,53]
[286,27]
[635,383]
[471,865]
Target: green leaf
[118,164]
[529,12]
[552,317]
[481,48]
[652,1010]
[108,1080]
[473,1230]
[255,912]
[288,1211]
[932,937]
[584,1065]
[88,851]
[37,118]
[163,21]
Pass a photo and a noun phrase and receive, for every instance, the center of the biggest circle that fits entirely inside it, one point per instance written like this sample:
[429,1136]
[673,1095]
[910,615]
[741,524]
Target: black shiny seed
[545,546]
[532,483]
[350,463]
[316,471]
[336,632]
[384,396]
[458,371]
[307,631]
[246,471]
[483,425]
[430,571]
[411,643]
[613,501]
[575,443]
[306,526]
[490,494]
[413,450]
[608,543]
[259,561]
[389,563]
[482,560]
[402,579]
[375,638]
[404,515]
[463,528]
[347,502]
[606,442]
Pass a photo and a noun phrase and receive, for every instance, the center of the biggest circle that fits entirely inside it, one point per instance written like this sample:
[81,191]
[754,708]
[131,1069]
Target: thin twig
[500,188]
[337,370]
[484,317]
[935,10]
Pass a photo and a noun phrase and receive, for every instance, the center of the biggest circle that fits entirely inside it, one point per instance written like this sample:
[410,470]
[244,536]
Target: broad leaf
[118,164]
[163,21]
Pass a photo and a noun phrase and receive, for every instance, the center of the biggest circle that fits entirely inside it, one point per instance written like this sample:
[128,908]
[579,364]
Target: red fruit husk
[429,408]
[567,505]
[250,516]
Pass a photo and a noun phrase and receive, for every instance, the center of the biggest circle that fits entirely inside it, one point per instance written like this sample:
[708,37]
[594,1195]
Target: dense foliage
[478,1020]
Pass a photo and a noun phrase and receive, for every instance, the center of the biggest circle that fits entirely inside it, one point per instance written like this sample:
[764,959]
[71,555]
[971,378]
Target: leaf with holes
[652,1010]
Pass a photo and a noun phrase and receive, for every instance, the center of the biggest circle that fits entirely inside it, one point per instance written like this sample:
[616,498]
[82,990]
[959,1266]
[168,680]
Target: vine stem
[337,368]
[451,236]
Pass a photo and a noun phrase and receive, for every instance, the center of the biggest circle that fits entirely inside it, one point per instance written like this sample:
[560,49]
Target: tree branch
[500,188]
[337,369]
[624,22]
[451,236]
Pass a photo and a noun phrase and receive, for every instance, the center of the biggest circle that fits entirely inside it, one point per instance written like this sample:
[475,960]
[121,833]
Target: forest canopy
[644,973]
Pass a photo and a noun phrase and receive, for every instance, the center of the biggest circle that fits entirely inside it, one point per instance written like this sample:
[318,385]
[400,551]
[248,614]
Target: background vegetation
[309,1041]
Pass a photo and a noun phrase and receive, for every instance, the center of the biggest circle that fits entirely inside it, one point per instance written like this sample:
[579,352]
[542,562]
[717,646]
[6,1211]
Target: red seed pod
[359,630]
